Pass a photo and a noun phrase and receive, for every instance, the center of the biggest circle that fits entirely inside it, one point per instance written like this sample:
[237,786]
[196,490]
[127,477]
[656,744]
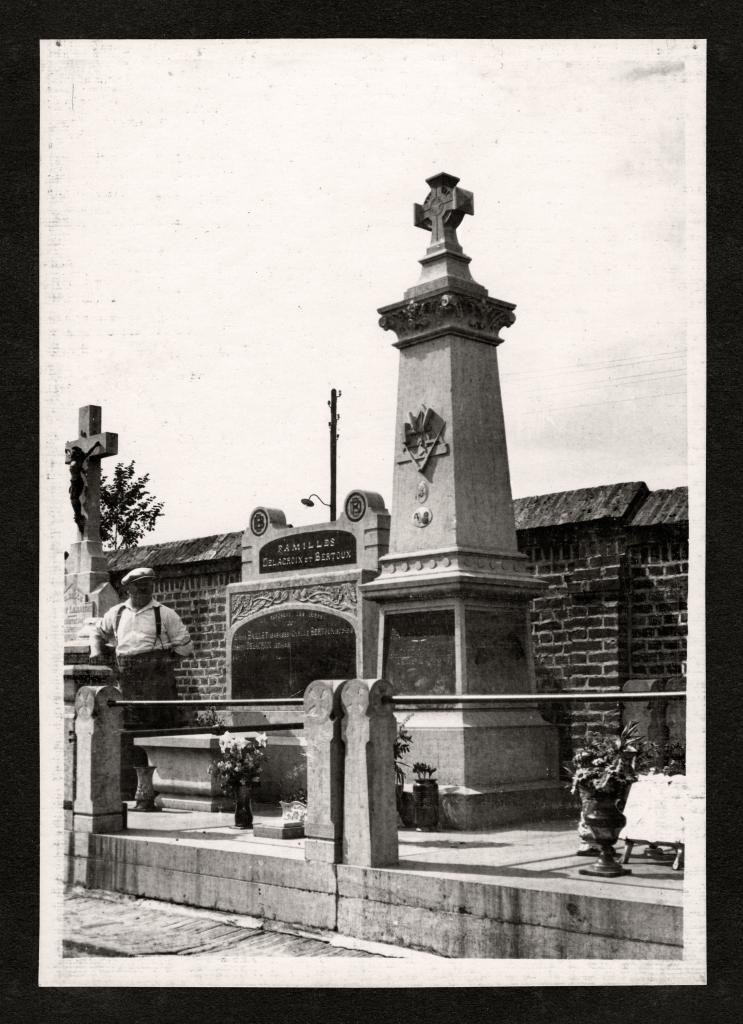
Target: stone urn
[604,819]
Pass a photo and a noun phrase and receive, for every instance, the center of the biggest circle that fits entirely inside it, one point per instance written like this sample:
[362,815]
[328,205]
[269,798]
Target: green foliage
[608,764]
[422,771]
[210,718]
[128,510]
[293,784]
[401,747]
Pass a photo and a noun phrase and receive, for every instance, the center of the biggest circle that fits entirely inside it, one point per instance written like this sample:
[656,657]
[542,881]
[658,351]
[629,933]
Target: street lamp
[333,424]
[310,503]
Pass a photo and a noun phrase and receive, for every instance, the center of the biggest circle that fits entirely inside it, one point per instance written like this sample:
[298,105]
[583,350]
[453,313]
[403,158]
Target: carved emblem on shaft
[423,438]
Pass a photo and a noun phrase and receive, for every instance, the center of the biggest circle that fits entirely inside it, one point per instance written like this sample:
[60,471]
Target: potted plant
[401,747]
[602,771]
[425,797]
[210,718]
[239,769]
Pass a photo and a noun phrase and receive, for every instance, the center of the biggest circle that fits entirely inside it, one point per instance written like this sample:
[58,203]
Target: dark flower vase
[426,803]
[243,810]
[605,820]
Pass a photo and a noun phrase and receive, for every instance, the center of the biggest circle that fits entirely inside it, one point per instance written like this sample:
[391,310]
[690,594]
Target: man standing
[147,637]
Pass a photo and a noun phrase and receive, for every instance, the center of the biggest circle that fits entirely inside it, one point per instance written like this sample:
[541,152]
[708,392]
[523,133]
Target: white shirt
[137,633]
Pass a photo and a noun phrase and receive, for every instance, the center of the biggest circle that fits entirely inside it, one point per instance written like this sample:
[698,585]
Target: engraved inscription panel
[281,653]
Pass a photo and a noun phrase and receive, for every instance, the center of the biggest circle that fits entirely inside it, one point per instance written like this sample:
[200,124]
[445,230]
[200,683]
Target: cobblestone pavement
[98,923]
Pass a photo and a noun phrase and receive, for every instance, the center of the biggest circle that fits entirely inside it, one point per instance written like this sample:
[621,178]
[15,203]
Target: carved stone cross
[83,456]
[443,210]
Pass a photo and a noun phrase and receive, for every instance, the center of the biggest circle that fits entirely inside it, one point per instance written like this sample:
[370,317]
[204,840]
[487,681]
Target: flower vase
[603,817]
[243,810]
[426,802]
[145,795]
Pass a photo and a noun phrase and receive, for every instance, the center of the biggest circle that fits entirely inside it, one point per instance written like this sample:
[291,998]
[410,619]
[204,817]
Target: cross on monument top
[443,210]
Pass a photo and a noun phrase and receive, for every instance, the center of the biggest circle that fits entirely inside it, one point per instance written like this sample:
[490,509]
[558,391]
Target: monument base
[493,767]
[468,810]
[278,829]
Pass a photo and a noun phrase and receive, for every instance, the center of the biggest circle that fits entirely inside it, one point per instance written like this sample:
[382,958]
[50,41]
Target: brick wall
[615,559]
[658,584]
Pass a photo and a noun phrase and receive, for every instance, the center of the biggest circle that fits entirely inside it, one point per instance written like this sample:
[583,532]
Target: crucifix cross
[443,210]
[83,456]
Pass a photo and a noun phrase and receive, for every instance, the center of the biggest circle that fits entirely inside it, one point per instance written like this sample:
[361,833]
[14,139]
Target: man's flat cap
[138,574]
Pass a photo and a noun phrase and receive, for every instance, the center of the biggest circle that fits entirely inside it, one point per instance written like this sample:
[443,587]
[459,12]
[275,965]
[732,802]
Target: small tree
[128,510]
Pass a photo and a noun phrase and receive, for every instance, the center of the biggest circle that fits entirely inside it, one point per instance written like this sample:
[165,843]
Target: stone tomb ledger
[453,591]
[297,614]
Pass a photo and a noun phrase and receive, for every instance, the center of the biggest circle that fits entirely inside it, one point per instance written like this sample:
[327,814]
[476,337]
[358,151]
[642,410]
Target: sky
[221,220]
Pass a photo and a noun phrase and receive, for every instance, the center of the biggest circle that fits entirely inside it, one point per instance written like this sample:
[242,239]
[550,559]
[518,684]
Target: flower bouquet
[239,769]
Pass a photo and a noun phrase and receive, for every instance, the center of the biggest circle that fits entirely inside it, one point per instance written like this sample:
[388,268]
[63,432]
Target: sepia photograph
[372,453]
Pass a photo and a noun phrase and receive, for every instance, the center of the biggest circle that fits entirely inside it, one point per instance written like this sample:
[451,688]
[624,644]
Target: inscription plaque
[419,652]
[321,549]
[281,653]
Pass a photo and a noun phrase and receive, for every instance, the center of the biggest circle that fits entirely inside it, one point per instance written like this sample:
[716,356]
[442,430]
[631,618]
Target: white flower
[225,741]
[261,739]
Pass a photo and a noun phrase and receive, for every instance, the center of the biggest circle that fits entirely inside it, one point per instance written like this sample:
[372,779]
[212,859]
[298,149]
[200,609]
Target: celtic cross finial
[443,210]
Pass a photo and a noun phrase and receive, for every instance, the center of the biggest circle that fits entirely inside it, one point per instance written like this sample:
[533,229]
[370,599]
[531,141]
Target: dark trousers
[148,676]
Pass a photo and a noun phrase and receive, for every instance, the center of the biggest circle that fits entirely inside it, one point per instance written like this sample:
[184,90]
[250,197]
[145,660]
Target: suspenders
[158,622]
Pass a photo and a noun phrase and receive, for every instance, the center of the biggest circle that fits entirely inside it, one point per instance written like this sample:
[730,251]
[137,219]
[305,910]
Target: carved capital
[479,317]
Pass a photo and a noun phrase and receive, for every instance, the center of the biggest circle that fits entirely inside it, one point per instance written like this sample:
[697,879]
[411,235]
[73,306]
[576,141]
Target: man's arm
[179,639]
[102,633]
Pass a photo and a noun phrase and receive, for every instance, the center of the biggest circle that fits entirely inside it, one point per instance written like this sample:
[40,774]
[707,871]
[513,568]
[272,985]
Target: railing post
[97,806]
[323,827]
[369,809]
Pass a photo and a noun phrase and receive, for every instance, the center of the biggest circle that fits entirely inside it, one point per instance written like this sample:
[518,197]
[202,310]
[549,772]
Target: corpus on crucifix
[84,459]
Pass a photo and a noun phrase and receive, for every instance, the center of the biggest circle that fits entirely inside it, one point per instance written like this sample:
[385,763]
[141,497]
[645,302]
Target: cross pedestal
[88,593]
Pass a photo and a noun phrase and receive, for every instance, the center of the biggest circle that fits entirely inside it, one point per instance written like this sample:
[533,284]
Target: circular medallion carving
[259,522]
[421,492]
[356,506]
[422,516]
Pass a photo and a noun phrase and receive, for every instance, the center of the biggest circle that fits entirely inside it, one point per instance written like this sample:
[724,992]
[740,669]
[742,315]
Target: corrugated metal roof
[610,501]
[663,506]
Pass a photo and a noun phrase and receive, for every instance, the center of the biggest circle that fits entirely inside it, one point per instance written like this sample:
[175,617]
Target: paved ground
[111,924]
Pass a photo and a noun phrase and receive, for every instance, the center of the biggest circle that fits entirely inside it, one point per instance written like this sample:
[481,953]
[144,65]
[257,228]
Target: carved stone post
[369,810]
[323,827]
[97,806]
[75,677]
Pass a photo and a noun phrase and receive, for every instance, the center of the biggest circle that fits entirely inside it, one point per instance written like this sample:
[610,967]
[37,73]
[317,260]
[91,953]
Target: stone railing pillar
[323,827]
[75,677]
[369,811]
[97,805]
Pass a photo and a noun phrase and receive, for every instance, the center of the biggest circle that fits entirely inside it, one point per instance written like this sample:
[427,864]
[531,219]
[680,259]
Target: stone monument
[88,592]
[453,591]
